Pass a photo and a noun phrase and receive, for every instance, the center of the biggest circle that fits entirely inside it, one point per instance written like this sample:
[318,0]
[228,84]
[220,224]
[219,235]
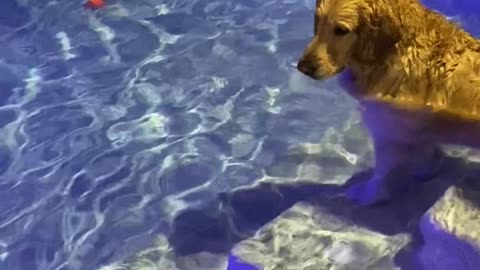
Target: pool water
[114,121]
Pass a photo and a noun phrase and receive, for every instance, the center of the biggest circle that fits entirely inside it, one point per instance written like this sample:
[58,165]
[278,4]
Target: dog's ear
[378,30]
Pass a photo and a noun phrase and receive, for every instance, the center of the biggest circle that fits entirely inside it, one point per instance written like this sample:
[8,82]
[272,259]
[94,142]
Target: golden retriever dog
[415,75]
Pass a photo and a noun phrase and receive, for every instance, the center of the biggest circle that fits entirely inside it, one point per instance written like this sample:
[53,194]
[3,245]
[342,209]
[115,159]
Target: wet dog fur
[415,75]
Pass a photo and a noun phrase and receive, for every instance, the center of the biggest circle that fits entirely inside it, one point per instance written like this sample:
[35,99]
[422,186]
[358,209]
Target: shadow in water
[236,215]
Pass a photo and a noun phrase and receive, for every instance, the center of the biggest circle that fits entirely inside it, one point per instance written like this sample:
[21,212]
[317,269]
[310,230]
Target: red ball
[95,3]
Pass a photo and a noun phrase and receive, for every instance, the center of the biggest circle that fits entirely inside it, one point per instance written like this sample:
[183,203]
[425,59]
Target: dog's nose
[306,67]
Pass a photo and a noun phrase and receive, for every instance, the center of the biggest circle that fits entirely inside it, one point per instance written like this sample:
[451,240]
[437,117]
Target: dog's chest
[386,122]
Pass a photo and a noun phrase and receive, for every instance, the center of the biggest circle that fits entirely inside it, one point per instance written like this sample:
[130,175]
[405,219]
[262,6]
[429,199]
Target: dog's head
[346,30]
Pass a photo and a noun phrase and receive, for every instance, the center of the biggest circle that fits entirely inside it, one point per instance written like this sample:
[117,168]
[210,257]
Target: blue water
[113,121]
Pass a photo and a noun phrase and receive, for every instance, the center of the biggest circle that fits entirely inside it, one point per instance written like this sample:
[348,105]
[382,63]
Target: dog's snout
[306,67]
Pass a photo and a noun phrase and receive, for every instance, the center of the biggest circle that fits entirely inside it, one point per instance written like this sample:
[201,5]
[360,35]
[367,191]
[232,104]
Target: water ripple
[114,121]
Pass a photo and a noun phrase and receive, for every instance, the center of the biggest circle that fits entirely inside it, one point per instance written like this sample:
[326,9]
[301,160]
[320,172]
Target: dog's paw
[431,169]
[368,193]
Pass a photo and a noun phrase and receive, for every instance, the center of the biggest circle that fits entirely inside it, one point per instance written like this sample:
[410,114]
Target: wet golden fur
[400,49]
[416,75]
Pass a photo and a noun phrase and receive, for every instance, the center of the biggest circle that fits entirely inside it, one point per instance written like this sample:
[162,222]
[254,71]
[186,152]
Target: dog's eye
[341,30]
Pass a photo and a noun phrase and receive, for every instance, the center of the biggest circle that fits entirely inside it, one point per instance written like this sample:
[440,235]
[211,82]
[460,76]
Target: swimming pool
[114,121]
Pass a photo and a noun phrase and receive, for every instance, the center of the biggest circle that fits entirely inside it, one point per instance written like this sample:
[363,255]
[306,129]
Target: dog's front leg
[403,156]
